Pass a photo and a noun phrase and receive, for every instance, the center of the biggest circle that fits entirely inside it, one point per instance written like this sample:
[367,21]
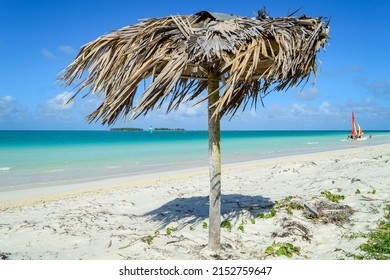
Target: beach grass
[377,245]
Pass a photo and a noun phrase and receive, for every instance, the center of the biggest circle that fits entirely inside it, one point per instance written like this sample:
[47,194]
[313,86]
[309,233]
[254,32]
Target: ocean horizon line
[184,129]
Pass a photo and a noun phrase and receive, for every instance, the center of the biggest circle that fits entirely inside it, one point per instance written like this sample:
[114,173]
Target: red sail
[354,131]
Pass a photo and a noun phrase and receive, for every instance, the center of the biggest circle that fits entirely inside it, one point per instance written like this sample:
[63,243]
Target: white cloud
[185,111]
[189,110]
[62,49]
[58,103]
[48,54]
[346,70]
[325,108]
[67,50]
[380,89]
[308,94]
[300,109]
[275,111]
[55,108]
[6,99]
[7,104]
[10,110]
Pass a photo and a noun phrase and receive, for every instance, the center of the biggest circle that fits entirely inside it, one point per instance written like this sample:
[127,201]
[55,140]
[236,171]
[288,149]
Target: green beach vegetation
[333,197]
[377,245]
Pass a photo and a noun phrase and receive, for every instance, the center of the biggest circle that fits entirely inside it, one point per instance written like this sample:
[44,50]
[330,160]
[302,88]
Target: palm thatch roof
[251,57]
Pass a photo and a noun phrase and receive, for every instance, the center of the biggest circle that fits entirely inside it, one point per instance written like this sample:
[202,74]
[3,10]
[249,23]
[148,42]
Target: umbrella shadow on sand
[193,210]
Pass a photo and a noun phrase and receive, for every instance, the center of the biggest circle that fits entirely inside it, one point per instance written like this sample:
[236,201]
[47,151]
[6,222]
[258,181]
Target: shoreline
[52,158]
[129,217]
[52,191]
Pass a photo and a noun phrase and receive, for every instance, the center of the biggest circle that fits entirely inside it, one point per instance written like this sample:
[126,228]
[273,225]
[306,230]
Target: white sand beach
[127,218]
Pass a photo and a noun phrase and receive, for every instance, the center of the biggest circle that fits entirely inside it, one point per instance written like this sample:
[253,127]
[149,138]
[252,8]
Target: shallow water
[34,158]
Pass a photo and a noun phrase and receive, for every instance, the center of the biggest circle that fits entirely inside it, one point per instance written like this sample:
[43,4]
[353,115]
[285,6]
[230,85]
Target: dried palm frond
[252,57]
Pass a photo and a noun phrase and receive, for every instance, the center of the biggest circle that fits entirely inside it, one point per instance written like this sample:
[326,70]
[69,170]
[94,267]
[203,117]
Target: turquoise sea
[37,158]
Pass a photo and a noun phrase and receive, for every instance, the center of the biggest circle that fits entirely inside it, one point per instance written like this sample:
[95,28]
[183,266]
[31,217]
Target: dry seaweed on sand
[329,212]
[4,256]
[291,228]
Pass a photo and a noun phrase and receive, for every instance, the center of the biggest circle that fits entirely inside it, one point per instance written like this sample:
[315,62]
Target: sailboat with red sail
[357,131]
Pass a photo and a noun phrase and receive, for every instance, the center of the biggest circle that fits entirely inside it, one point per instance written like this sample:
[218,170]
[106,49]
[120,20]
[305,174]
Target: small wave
[313,143]
[5,168]
[56,170]
[114,167]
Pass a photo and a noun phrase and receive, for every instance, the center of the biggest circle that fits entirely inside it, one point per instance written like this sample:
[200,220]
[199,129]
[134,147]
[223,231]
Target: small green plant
[241,228]
[253,221]
[149,239]
[340,217]
[283,201]
[169,230]
[269,215]
[204,225]
[282,249]
[333,197]
[288,205]
[357,191]
[226,224]
[373,191]
[294,206]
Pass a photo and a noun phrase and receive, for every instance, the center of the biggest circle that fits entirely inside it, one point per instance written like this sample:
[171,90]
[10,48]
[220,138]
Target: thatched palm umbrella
[238,59]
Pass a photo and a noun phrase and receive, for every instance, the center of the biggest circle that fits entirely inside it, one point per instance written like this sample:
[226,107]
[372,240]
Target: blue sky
[40,38]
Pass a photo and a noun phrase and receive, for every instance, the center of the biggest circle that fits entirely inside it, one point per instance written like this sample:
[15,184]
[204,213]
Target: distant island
[169,129]
[126,129]
[140,129]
